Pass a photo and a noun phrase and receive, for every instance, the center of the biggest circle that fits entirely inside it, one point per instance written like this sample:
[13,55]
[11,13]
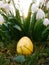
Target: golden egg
[24,46]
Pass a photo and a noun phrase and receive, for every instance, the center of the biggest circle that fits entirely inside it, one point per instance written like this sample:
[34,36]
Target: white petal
[42,2]
[47,5]
[1,4]
[1,20]
[34,8]
[40,14]
[5,6]
[46,22]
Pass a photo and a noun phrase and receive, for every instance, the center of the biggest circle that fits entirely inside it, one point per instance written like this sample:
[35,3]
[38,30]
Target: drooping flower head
[34,8]
[46,22]
[42,2]
[4,6]
[40,14]
[47,5]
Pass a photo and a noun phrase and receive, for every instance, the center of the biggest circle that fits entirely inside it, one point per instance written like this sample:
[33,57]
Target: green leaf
[18,17]
[4,16]
[45,33]
[19,59]
[26,22]
[17,27]
[32,23]
[38,29]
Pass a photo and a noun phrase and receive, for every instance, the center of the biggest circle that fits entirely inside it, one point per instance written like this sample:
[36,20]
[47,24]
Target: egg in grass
[24,46]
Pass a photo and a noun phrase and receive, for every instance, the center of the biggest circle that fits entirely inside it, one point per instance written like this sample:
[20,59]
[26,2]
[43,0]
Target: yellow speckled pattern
[25,46]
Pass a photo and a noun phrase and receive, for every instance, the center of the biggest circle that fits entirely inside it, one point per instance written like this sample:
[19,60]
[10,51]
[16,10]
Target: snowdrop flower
[1,20]
[40,14]
[34,8]
[47,5]
[1,3]
[42,2]
[5,6]
[46,22]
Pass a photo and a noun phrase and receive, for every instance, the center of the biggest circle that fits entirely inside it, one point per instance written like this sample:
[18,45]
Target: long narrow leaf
[38,29]
[26,22]
[45,34]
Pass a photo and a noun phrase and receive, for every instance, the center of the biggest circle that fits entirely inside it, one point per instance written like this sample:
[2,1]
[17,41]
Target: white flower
[5,6]
[47,5]
[1,20]
[40,14]
[34,8]
[1,3]
[46,22]
[42,2]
